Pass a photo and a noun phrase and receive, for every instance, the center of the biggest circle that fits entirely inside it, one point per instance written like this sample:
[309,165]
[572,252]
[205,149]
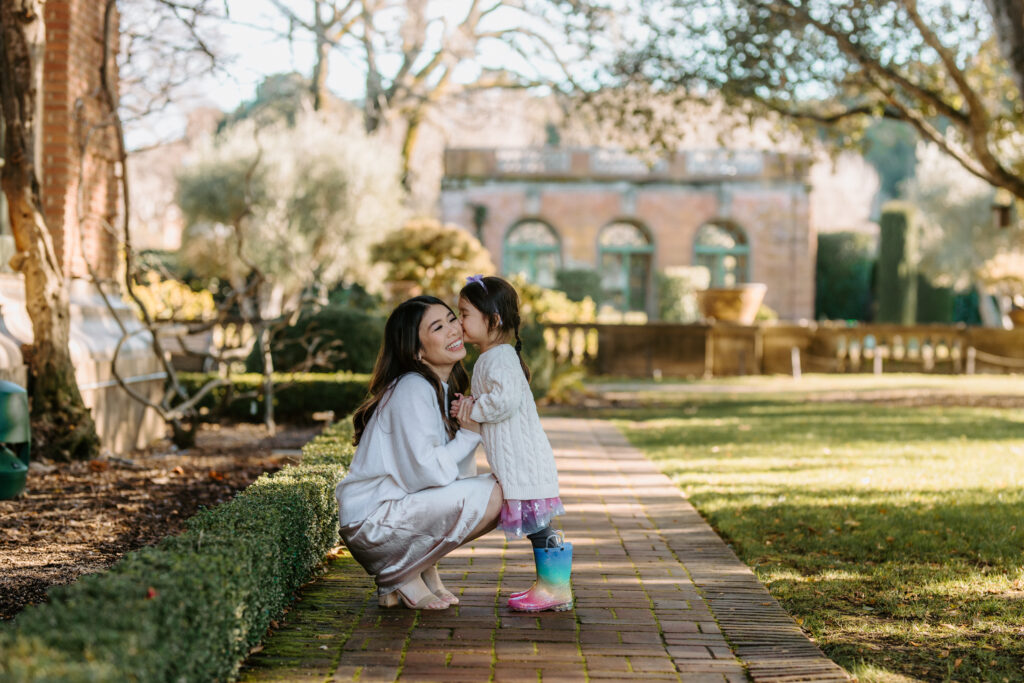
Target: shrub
[579,283]
[426,257]
[677,293]
[336,338]
[898,257]
[843,276]
[934,303]
[191,607]
[296,396]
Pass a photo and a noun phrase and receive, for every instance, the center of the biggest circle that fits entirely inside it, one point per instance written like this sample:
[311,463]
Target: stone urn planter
[737,304]
[1017,318]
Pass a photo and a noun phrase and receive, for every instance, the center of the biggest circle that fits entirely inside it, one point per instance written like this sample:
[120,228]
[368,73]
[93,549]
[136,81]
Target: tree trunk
[268,379]
[1008,21]
[412,133]
[62,426]
[323,52]
[323,49]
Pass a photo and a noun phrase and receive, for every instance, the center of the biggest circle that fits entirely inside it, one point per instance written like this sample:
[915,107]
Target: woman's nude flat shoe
[397,598]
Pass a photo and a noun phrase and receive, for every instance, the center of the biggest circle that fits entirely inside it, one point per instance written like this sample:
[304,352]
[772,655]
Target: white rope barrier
[974,355]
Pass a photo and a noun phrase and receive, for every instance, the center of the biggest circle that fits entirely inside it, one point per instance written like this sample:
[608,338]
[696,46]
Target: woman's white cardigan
[404,449]
[517,448]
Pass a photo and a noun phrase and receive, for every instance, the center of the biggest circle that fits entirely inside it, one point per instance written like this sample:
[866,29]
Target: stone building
[80,193]
[742,214]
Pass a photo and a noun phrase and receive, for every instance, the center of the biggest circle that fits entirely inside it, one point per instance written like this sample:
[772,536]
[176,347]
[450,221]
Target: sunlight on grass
[895,532]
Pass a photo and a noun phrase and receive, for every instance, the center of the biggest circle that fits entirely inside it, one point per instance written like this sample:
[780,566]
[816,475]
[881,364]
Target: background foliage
[426,257]
[843,273]
[296,205]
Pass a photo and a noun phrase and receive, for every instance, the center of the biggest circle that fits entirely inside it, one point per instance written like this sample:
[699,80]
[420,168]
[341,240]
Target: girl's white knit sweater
[517,448]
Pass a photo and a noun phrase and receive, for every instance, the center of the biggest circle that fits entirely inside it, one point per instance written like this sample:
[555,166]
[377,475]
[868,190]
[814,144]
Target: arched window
[722,248]
[624,252]
[532,250]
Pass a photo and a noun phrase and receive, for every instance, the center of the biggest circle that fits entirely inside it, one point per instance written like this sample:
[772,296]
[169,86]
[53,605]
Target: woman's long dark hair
[398,356]
[499,302]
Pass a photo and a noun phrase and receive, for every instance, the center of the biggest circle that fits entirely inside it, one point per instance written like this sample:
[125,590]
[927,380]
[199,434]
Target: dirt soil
[82,517]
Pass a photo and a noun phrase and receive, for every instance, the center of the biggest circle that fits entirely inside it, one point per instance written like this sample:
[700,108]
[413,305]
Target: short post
[709,352]
[971,356]
[794,359]
[877,362]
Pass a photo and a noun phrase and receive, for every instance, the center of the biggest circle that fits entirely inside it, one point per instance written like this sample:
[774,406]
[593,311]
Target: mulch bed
[82,517]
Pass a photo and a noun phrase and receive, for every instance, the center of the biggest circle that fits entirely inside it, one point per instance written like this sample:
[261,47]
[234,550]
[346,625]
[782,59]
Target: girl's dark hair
[398,356]
[499,302]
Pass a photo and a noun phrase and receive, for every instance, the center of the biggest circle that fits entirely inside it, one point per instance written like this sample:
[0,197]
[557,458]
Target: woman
[410,496]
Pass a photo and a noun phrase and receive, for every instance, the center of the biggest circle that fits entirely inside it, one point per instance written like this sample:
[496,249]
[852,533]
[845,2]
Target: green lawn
[893,531]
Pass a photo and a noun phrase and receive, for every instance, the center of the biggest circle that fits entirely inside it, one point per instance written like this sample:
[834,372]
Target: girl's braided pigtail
[519,352]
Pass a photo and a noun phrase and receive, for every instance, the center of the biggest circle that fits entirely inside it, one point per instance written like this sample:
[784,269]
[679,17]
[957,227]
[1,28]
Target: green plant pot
[13,473]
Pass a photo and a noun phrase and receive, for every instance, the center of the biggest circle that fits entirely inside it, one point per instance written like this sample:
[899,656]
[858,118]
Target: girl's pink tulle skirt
[523,517]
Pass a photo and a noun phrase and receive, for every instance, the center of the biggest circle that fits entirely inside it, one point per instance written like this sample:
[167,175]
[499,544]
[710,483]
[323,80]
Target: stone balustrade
[720,349]
[565,163]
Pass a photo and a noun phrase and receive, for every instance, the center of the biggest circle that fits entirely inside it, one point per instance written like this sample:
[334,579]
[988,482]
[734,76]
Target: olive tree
[952,70]
[961,246]
[281,213]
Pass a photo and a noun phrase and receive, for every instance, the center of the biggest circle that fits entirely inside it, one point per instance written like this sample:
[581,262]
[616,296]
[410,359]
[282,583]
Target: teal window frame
[702,254]
[530,252]
[630,256]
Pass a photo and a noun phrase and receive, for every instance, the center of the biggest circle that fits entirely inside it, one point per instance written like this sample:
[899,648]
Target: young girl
[518,451]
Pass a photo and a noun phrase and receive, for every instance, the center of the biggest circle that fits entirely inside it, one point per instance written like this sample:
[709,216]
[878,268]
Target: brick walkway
[659,596]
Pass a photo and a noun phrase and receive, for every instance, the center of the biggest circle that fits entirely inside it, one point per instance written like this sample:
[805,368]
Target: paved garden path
[659,596]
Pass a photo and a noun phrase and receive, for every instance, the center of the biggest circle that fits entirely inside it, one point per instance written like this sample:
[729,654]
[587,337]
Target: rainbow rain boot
[552,591]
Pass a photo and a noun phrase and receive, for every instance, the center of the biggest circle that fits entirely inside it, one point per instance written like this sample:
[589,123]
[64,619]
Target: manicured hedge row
[296,396]
[191,607]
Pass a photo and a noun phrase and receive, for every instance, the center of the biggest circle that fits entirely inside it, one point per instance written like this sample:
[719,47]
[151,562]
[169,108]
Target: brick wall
[773,214]
[78,214]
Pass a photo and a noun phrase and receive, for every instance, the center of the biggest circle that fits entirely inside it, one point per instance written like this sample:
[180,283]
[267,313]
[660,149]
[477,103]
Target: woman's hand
[463,415]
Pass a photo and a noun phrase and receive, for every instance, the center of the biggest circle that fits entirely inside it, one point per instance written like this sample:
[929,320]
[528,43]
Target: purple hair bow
[478,279]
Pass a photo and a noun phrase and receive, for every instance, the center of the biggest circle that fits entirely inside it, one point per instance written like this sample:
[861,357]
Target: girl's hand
[459,398]
[465,410]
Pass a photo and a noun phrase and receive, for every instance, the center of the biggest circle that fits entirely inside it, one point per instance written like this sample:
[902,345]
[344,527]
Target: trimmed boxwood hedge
[296,395]
[191,607]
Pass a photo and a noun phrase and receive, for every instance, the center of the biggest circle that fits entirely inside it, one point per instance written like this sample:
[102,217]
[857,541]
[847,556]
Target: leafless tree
[409,52]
